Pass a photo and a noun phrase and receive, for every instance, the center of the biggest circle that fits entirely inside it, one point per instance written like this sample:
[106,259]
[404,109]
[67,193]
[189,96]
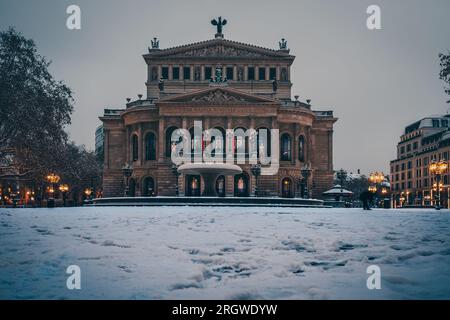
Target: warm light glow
[438,168]
[384,191]
[64,188]
[53,178]
[87,192]
[372,189]
[376,177]
[435,186]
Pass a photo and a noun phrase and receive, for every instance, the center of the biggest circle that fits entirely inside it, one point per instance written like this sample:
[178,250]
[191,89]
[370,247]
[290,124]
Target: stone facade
[179,92]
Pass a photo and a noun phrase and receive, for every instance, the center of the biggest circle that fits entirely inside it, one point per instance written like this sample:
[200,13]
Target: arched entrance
[220,186]
[193,186]
[241,185]
[132,188]
[286,188]
[148,187]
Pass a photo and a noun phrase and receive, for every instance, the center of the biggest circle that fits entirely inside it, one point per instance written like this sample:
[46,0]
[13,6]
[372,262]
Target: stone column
[170,72]
[141,145]
[127,143]
[161,139]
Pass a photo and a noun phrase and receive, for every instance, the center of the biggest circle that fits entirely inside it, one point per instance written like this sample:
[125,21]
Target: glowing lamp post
[52,179]
[306,172]
[437,168]
[127,171]
[256,171]
[64,188]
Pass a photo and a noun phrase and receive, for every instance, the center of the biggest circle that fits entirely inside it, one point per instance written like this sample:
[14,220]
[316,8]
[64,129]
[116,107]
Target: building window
[283,75]
[187,73]
[403,166]
[402,150]
[134,147]
[408,148]
[409,164]
[208,73]
[262,73]
[273,73]
[301,148]
[176,73]
[150,146]
[415,145]
[444,123]
[230,72]
[165,73]
[285,150]
[435,123]
[251,73]
[154,74]
[264,146]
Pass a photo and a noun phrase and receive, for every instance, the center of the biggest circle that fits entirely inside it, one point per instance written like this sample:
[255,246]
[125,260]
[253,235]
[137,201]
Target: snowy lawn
[223,253]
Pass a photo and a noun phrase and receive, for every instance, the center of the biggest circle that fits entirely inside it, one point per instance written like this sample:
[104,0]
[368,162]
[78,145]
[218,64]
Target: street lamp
[52,179]
[437,168]
[127,171]
[376,178]
[64,188]
[306,172]
[256,171]
[88,192]
[177,174]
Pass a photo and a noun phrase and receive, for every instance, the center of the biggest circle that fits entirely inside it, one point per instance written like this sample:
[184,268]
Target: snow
[223,253]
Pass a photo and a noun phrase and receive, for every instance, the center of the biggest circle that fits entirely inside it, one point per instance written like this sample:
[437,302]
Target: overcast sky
[377,82]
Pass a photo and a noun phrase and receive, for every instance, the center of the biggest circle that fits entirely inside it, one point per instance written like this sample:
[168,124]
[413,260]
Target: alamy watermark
[238,146]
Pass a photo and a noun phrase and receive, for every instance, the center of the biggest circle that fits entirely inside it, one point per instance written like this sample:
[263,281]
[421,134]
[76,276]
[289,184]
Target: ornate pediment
[217,95]
[218,48]
[219,51]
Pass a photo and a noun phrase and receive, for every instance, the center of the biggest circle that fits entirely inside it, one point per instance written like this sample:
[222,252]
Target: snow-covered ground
[223,253]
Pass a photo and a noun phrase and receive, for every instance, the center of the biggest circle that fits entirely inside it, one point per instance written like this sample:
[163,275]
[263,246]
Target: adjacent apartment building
[422,142]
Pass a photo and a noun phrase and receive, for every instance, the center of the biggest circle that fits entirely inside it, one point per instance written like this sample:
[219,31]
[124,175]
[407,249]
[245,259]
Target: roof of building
[220,44]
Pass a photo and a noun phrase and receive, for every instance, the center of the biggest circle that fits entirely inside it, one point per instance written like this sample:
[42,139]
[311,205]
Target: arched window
[264,146]
[197,143]
[150,146]
[220,186]
[286,188]
[220,145]
[240,143]
[148,187]
[193,185]
[241,185]
[169,144]
[134,147]
[301,148]
[285,150]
